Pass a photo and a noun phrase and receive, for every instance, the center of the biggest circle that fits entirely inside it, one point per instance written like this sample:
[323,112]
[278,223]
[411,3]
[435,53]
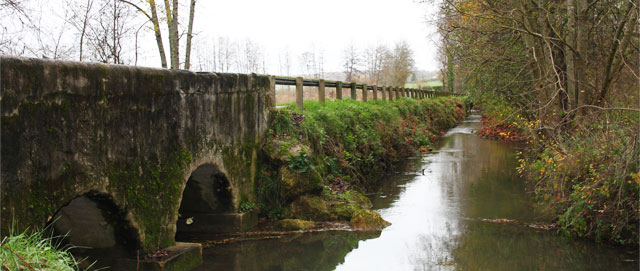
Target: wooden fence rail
[386,92]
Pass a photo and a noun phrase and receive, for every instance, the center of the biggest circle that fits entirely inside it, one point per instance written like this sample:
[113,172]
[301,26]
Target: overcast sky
[329,26]
[296,26]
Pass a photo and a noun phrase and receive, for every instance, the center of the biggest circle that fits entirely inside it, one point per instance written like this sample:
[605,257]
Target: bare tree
[223,54]
[172,20]
[284,61]
[171,14]
[153,17]
[308,64]
[249,57]
[398,65]
[80,20]
[374,59]
[350,62]
[109,31]
[187,58]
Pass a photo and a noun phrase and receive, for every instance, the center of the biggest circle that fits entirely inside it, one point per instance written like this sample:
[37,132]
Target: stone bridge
[142,145]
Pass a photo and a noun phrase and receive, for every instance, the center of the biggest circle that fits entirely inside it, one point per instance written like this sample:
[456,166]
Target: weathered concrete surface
[129,134]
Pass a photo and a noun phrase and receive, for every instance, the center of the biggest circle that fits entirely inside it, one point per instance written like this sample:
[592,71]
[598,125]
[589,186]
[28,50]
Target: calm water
[436,204]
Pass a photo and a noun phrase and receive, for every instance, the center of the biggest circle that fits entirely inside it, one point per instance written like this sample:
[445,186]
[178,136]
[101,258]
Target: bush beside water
[588,177]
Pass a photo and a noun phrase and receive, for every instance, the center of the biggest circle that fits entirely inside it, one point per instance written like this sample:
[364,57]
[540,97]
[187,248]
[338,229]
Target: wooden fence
[379,92]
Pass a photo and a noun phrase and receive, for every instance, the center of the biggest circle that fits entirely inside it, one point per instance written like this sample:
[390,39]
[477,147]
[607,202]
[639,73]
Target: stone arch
[209,204]
[208,190]
[95,227]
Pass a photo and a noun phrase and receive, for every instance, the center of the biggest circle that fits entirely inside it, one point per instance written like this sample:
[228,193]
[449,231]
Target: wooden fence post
[383,90]
[365,91]
[354,95]
[321,90]
[272,85]
[299,93]
[375,92]
[339,90]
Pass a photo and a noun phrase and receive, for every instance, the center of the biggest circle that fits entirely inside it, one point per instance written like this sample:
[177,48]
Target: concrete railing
[379,92]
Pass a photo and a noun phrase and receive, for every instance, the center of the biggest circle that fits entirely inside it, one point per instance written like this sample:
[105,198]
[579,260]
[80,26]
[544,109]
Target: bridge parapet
[131,135]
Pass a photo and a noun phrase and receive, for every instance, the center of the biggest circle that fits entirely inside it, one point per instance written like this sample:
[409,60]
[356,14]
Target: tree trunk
[172,24]
[114,36]
[84,26]
[622,40]
[572,52]
[156,29]
[187,58]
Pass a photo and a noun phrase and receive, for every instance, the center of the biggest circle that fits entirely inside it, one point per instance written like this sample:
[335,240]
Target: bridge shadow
[207,205]
[94,230]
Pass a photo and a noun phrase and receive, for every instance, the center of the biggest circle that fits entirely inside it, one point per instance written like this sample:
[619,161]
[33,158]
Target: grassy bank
[588,176]
[321,160]
[34,251]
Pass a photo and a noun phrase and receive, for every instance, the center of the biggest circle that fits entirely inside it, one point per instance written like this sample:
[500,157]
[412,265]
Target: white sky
[329,25]
[277,26]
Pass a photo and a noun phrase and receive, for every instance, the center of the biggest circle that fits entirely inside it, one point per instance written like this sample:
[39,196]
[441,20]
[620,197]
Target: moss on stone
[295,224]
[368,220]
[356,198]
[134,182]
[309,208]
[296,183]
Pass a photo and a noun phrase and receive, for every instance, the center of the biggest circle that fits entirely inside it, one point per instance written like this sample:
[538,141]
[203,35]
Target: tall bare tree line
[555,59]
[103,30]
[379,65]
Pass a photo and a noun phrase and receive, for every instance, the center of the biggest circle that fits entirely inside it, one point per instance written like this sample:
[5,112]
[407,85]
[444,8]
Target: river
[445,208]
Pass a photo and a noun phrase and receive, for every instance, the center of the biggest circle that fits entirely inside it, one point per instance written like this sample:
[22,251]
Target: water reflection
[437,217]
[436,204]
[311,251]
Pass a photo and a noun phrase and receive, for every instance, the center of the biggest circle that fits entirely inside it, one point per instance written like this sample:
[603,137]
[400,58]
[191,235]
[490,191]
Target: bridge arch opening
[207,191]
[94,229]
[207,198]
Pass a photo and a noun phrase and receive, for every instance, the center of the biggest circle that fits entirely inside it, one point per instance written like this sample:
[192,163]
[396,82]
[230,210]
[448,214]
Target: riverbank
[588,178]
[461,206]
[318,163]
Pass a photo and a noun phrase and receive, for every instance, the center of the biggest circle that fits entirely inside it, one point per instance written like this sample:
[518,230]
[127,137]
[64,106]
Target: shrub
[590,178]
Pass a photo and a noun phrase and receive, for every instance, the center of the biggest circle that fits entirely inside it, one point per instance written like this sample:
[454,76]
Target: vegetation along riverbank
[563,75]
[318,163]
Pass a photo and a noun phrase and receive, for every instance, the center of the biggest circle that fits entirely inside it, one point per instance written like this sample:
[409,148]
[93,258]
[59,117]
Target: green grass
[34,251]
[352,142]
[355,140]
[436,84]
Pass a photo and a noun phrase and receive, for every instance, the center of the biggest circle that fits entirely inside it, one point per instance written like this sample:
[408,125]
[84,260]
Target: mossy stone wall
[133,134]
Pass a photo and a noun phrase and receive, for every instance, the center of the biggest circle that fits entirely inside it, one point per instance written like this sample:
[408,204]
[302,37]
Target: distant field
[437,84]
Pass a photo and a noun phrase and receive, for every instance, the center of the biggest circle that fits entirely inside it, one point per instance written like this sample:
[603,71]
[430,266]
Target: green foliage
[268,193]
[590,177]
[300,163]
[356,141]
[582,155]
[38,251]
[247,206]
